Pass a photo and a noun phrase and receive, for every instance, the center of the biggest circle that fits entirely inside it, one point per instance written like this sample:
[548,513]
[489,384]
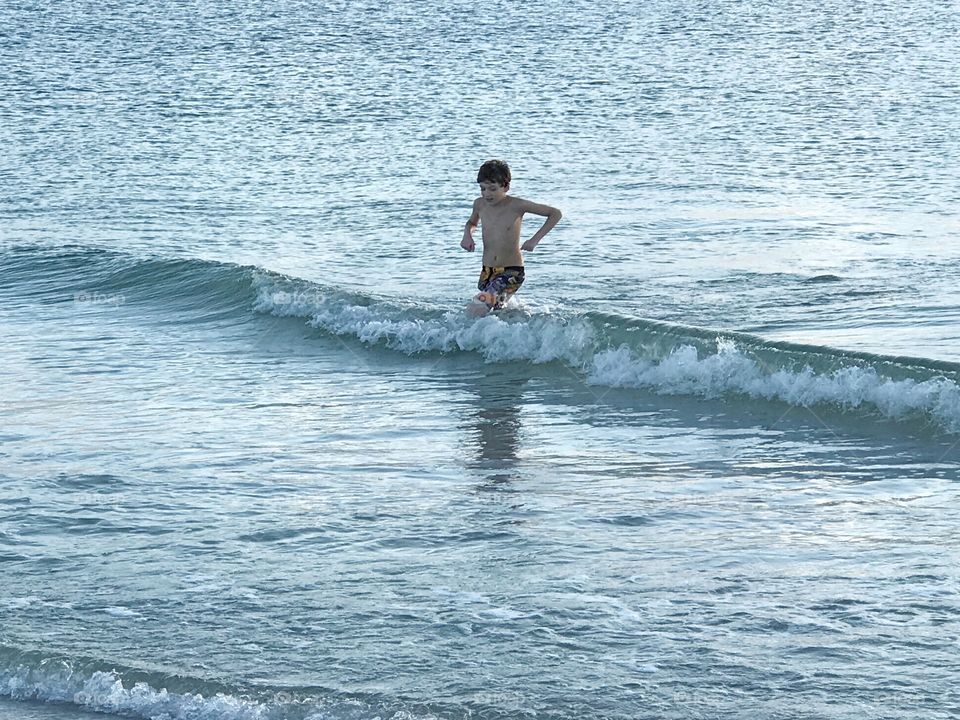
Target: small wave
[605,349]
[730,371]
[819,279]
[95,686]
[39,677]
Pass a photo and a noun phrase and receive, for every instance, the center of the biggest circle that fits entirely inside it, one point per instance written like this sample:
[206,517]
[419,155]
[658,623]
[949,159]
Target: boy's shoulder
[509,202]
[519,204]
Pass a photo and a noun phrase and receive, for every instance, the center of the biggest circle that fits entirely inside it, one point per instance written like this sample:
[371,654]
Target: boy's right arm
[467,243]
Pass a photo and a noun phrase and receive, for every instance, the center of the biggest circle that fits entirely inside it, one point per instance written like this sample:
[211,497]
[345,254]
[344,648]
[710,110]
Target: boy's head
[496,171]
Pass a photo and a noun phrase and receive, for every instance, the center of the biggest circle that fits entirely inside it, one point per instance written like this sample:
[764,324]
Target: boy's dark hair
[494,171]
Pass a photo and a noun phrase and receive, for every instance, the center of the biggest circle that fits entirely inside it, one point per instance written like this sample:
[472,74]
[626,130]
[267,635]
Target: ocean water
[256,462]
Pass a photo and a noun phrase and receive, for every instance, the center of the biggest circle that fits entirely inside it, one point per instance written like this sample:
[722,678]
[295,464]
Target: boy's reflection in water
[497,427]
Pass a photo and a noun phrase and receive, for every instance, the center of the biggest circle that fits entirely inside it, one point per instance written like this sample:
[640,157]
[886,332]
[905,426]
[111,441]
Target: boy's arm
[551,213]
[467,242]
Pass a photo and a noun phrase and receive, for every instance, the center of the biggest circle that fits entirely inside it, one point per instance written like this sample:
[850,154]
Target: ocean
[258,464]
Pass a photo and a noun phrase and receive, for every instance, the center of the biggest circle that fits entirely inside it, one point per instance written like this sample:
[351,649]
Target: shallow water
[256,462]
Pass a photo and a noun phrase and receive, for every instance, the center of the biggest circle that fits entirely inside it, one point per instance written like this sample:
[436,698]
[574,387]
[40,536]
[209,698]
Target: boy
[501,216]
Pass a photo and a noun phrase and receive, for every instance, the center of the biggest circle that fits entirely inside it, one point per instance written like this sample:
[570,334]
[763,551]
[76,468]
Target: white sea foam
[104,692]
[19,603]
[537,339]
[123,612]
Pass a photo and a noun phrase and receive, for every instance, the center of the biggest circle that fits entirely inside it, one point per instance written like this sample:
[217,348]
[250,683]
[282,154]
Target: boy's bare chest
[500,220]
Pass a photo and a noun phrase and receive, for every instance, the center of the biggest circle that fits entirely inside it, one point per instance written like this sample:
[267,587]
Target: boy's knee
[487,298]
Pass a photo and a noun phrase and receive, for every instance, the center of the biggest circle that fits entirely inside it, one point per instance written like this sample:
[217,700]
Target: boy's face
[493,192]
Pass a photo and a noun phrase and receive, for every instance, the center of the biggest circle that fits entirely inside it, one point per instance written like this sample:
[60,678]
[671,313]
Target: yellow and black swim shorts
[501,282]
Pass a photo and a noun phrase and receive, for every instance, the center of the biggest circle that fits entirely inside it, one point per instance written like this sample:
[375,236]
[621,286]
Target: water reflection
[495,429]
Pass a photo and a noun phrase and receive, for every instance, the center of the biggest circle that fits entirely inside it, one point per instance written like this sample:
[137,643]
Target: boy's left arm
[551,213]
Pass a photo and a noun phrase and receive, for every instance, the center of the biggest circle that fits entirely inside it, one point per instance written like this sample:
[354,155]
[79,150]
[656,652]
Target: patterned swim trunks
[500,282]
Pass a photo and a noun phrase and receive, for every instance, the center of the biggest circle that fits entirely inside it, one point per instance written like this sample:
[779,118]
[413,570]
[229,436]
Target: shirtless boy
[500,216]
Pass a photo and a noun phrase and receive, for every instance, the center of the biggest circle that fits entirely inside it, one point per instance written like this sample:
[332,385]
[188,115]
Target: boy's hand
[468,244]
[529,245]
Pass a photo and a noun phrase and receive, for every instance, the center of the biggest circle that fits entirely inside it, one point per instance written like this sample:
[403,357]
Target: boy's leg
[487,287]
[477,309]
[487,297]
